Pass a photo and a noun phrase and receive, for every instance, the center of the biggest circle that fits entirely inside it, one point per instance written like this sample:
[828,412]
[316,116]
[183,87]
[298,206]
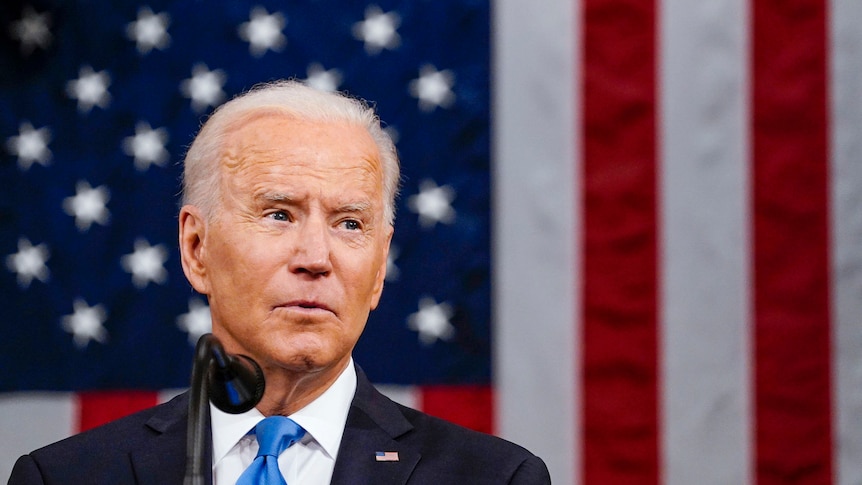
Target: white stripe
[536,220]
[405,395]
[846,157]
[31,420]
[704,243]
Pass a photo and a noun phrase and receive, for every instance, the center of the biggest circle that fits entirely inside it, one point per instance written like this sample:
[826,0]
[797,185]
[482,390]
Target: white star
[90,89]
[392,271]
[88,205]
[433,204]
[433,88]
[432,321]
[86,323]
[30,146]
[320,78]
[149,30]
[204,87]
[146,264]
[263,31]
[29,263]
[197,321]
[378,30]
[33,30]
[147,146]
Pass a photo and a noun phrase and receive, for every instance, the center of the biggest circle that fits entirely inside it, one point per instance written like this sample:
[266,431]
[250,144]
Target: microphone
[234,384]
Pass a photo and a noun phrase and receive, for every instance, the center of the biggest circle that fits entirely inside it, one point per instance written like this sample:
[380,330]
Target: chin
[305,356]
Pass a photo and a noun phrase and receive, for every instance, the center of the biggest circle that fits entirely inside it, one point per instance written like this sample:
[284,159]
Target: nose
[311,251]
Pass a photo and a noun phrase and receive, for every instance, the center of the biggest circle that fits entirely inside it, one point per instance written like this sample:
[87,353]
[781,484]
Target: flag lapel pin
[386,456]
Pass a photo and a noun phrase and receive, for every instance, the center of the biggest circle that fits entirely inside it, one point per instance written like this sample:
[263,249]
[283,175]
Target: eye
[279,215]
[351,225]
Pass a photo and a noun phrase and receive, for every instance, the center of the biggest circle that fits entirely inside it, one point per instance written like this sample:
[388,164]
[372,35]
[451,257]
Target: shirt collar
[323,419]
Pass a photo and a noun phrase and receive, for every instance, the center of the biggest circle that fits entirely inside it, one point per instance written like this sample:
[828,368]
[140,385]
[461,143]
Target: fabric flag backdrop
[99,101]
[629,238]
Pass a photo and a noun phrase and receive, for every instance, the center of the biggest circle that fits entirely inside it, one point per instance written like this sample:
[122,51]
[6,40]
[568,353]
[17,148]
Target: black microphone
[234,384]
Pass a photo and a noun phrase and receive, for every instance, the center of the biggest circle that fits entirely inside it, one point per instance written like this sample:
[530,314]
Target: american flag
[386,456]
[628,238]
[100,100]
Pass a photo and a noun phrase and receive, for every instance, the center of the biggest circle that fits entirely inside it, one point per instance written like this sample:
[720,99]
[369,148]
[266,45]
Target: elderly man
[287,218]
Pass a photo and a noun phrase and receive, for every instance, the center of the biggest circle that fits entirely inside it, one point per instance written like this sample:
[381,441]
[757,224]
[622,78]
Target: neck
[289,391]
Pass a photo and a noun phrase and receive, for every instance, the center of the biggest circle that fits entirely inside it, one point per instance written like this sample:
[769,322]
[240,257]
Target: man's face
[295,257]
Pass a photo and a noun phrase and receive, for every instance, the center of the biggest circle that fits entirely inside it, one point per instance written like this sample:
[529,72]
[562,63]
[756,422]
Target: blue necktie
[274,435]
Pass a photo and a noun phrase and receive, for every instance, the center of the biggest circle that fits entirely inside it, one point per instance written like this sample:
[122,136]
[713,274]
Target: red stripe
[470,406]
[620,414]
[97,408]
[791,262]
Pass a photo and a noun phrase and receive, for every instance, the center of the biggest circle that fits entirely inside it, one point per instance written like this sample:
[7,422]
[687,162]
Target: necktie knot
[275,434]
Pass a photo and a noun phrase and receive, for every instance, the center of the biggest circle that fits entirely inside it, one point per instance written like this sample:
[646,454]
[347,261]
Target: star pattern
[204,88]
[29,263]
[433,204]
[149,31]
[90,89]
[86,323]
[146,264]
[263,32]
[378,31]
[432,321]
[129,105]
[88,205]
[433,88]
[197,321]
[32,31]
[147,146]
[320,78]
[30,146]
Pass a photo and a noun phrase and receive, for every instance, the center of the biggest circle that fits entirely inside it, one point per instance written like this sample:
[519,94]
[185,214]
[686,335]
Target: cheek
[235,266]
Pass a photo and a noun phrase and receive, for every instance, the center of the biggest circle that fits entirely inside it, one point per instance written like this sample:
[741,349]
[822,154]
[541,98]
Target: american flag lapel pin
[386,456]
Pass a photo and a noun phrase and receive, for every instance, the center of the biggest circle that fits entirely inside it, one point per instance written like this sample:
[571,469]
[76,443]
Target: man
[287,218]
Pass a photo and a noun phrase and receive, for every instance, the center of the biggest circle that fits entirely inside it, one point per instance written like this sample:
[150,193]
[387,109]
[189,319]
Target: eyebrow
[276,197]
[355,207]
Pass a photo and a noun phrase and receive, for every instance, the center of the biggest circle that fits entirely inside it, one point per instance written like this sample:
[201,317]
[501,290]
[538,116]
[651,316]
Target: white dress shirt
[309,462]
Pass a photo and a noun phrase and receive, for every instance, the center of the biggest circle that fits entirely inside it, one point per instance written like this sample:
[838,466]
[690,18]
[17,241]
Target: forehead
[280,143]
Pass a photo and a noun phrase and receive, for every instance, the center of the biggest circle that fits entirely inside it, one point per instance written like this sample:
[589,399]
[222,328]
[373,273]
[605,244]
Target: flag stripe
[470,406]
[95,408]
[619,338]
[790,229]
[536,214]
[846,153]
[30,420]
[705,309]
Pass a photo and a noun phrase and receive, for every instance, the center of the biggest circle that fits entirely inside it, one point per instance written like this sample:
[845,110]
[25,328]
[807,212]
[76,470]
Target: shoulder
[122,433]
[101,451]
[448,453]
[459,452]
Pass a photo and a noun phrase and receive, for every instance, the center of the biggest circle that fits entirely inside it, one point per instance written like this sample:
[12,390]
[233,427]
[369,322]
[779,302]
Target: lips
[306,305]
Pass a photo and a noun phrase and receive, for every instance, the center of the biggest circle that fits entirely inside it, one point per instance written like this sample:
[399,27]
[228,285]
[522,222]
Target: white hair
[201,172]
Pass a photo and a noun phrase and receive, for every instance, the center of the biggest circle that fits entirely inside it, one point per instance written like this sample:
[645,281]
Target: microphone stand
[234,384]
[198,412]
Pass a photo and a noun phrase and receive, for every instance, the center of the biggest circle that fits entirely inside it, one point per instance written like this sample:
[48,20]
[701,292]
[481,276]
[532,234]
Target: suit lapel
[373,425]
[161,460]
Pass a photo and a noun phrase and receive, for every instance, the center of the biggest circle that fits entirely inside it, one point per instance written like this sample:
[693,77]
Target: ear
[381,271]
[193,248]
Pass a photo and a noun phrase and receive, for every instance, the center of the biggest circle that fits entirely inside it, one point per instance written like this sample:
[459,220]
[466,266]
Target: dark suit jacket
[150,448]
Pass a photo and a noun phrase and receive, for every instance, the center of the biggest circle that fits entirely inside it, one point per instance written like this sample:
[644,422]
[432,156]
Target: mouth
[306,306]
